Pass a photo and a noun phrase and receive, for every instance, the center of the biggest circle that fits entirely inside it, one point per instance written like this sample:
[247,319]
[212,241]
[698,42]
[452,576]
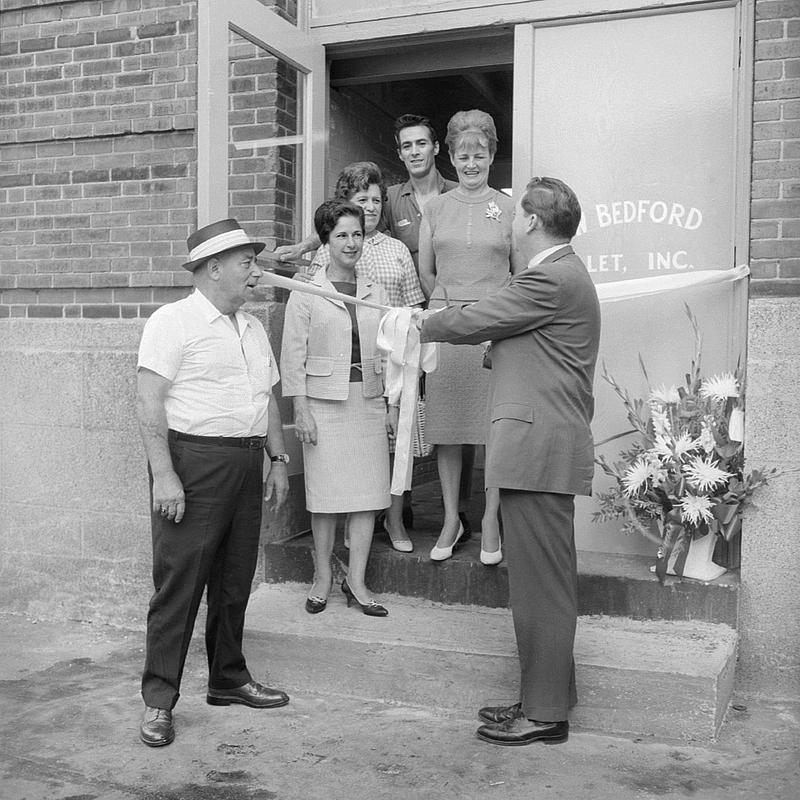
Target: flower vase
[695,560]
[697,564]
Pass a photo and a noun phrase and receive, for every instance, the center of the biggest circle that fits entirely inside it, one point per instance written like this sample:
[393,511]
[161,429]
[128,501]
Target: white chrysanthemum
[667,396]
[720,387]
[636,476]
[679,447]
[696,508]
[706,475]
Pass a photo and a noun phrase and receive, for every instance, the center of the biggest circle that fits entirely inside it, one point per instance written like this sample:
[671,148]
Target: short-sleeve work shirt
[402,215]
[221,380]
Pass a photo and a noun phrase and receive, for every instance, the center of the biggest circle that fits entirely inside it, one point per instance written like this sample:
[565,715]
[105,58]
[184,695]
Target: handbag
[420,448]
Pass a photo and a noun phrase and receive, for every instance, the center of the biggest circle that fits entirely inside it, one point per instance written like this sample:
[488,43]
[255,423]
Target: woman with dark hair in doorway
[389,262]
[331,367]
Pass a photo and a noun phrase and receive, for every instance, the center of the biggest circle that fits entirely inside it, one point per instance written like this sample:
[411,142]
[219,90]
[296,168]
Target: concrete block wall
[769,611]
[74,522]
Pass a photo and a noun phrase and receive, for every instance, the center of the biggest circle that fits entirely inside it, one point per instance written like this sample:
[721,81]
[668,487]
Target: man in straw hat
[207,416]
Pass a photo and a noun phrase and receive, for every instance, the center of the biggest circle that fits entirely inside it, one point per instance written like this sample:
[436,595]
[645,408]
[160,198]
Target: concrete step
[608,584]
[668,679]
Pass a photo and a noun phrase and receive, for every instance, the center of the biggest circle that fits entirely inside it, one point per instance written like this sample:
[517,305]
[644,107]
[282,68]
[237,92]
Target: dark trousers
[215,546]
[543,587]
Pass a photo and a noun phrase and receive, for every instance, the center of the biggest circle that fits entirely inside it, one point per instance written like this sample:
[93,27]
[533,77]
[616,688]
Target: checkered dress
[386,261]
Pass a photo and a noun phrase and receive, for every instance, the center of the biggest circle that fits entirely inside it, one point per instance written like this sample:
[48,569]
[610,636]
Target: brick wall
[775,205]
[97,155]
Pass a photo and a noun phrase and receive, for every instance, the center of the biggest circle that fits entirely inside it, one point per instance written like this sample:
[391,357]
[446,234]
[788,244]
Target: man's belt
[248,442]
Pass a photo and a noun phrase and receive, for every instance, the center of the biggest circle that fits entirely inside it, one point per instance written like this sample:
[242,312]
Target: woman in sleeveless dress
[464,255]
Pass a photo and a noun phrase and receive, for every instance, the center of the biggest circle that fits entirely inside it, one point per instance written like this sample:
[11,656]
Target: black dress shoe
[467,525]
[156,729]
[497,714]
[251,694]
[520,731]
[315,604]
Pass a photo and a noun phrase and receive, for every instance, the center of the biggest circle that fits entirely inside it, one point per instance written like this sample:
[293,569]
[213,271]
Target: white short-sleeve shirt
[221,380]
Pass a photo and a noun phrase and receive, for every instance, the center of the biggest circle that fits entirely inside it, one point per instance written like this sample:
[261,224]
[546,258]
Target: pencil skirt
[348,468]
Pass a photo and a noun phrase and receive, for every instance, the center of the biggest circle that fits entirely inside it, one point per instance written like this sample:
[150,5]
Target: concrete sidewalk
[69,694]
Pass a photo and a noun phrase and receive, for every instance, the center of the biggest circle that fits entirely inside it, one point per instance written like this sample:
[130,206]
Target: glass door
[261,119]
[639,115]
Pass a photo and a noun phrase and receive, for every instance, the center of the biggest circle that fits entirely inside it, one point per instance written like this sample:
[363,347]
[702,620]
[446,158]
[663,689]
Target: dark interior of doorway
[435,79]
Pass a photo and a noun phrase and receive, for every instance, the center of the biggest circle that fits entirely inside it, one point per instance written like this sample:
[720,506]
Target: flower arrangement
[684,473]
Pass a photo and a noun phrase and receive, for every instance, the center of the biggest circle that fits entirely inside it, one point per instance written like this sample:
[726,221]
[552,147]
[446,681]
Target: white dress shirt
[221,380]
[539,257]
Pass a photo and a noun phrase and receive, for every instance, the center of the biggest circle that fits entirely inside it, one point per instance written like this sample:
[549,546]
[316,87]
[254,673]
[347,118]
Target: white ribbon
[639,287]
[271,279]
[406,357]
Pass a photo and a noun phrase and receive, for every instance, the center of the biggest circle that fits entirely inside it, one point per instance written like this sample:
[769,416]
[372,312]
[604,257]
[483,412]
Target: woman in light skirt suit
[331,367]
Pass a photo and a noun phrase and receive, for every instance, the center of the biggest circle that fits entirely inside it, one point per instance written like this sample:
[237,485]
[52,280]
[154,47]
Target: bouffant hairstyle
[327,217]
[469,128]
[413,121]
[358,177]
[555,204]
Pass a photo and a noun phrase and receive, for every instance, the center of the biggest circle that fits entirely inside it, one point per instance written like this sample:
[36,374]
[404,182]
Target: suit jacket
[317,343]
[545,330]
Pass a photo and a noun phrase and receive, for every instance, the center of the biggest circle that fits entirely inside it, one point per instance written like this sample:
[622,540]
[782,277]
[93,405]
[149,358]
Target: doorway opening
[372,86]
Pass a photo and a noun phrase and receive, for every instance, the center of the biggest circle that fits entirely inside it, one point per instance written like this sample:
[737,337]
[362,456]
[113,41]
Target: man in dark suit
[545,330]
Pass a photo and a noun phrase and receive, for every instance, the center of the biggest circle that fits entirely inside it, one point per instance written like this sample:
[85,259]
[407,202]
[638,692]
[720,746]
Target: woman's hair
[555,204]
[471,127]
[358,177]
[327,217]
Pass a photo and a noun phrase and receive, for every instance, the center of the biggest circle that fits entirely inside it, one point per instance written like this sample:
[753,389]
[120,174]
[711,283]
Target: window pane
[264,151]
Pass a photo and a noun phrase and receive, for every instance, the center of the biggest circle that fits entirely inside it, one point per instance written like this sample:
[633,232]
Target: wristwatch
[282,457]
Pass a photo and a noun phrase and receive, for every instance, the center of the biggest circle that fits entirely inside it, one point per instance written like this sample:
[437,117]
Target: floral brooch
[493,211]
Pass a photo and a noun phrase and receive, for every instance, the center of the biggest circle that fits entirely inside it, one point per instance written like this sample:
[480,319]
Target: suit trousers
[214,547]
[539,540]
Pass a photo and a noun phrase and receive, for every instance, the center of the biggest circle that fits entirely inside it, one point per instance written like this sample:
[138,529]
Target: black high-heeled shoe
[315,604]
[371,609]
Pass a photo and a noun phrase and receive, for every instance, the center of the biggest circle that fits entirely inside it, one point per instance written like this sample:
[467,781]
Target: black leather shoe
[520,731]
[156,729]
[497,714]
[466,524]
[371,608]
[315,604]
[251,694]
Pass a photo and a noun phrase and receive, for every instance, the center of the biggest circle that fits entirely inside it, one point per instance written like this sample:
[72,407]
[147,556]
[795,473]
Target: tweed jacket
[545,331]
[317,342]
